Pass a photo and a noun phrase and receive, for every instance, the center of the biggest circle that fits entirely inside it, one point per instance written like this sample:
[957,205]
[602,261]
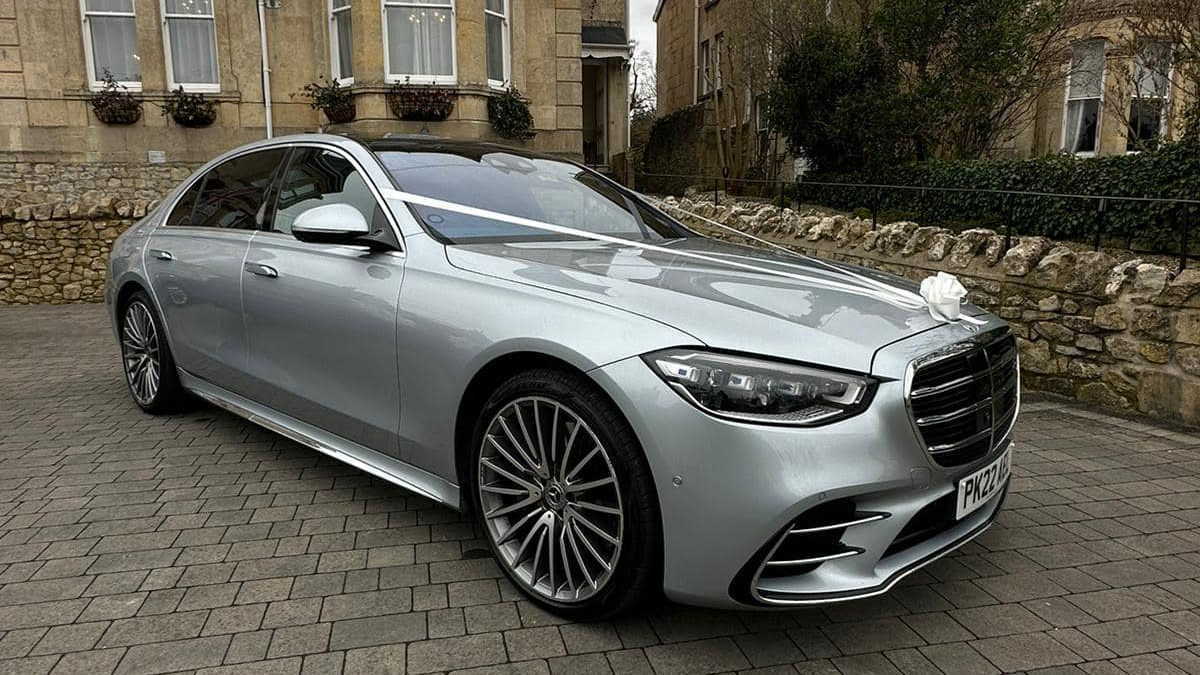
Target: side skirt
[375,463]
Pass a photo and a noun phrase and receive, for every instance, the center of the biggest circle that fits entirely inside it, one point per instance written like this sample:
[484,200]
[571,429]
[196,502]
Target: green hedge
[1171,171]
[674,147]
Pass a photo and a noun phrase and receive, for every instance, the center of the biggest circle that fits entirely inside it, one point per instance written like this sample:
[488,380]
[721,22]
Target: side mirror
[330,224]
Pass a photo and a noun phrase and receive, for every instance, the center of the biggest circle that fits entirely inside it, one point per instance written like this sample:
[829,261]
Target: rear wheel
[565,497]
[146,358]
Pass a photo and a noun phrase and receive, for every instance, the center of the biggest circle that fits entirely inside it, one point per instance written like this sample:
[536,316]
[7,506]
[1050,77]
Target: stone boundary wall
[58,221]
[1121,334]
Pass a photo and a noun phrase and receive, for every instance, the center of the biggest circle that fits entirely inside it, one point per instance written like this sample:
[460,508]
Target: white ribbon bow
[944,294]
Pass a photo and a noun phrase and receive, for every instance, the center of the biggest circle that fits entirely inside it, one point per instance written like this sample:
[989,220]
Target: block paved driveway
[137,544]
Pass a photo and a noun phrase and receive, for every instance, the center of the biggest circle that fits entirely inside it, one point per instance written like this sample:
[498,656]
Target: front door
[321,318]
[195,265]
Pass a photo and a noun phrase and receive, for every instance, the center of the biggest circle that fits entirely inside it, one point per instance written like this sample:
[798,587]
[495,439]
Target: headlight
[753,390]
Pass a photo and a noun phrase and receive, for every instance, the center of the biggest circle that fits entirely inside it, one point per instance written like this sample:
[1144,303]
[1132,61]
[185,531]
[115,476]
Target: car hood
[830,318]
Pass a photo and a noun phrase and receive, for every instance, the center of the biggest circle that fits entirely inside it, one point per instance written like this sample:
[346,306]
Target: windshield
[549,190]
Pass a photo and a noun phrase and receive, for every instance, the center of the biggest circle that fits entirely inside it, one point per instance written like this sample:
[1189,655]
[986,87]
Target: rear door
[195,263]
[321,318]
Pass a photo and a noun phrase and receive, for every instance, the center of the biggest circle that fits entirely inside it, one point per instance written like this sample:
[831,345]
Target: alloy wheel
[140,351]
[550,500]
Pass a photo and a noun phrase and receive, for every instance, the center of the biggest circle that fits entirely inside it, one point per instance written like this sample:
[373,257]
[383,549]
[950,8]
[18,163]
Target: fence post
[716,194]
[1183,237]
[1099,223]
[1006,209]
[875,209]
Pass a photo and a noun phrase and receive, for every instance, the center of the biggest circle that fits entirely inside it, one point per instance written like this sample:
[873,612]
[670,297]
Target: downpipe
[266,69]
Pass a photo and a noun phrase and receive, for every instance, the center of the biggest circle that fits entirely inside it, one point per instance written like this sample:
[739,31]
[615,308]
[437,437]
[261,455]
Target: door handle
[161,254]
[261,270]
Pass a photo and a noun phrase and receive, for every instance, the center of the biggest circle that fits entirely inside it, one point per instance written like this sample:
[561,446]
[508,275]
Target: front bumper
[728,490]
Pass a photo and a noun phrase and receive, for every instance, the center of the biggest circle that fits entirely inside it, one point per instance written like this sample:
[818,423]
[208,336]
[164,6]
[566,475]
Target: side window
[233,194]
[317,177]
[182,213]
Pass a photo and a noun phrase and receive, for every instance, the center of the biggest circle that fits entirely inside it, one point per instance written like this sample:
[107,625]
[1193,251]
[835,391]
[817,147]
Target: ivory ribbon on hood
[874,289]
[938,304]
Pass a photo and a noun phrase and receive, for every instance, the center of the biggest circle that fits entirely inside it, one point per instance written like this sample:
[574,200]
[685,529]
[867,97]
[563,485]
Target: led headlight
[754,390]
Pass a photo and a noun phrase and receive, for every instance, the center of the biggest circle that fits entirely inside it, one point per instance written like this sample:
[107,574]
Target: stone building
[1109,101]
[569,58]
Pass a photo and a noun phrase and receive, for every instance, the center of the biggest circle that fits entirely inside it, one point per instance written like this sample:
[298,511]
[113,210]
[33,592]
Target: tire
[576,491]
[146,359]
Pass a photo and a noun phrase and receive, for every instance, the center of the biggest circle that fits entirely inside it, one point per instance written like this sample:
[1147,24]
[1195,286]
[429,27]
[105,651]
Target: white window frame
[705,67]
[412,78]
[335,50]
[190,87]
[506,49]
[84,14]
[1167,100]
[1099,107]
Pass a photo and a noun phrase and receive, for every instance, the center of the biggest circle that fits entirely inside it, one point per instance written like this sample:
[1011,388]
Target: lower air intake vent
[815,538]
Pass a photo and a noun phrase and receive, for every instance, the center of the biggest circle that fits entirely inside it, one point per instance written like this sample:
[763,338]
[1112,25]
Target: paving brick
[1134,636]
[168,657]
[299,640]
[698,658]
[1025,652]
[377,630]
[383,660]
[455,653]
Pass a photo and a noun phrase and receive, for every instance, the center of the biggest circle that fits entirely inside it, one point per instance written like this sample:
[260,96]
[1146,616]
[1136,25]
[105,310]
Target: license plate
[975,490]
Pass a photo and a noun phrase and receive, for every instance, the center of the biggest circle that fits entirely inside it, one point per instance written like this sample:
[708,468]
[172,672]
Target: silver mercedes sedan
[625,406]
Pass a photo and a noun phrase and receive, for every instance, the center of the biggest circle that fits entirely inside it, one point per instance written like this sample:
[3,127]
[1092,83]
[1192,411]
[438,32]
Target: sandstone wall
[1119,333]
[58,221]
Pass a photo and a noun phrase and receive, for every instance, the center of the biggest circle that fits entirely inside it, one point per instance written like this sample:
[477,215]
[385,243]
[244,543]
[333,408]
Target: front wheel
[146,358]
[565,497]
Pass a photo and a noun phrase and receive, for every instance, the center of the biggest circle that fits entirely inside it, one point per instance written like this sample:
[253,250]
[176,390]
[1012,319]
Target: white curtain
[110,6]
[1074,125]
[114,47]
[345,44]
[495,47]
[420,41]
[193,51]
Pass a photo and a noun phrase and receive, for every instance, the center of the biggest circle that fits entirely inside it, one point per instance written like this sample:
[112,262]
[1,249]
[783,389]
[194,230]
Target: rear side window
[317,177]
[232,195]
[182,213]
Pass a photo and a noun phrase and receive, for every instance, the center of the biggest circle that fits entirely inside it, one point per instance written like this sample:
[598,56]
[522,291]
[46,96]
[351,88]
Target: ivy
[510,116]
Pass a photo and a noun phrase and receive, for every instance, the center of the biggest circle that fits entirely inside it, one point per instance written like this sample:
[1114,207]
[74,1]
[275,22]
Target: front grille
[964,397]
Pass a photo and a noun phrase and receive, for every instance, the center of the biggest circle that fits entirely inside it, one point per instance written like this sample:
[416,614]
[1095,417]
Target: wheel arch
[481,385]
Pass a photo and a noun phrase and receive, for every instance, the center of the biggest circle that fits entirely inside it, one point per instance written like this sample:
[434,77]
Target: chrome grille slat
[859,519]
[962,398]
[847,553]
[953,415]
[926,392]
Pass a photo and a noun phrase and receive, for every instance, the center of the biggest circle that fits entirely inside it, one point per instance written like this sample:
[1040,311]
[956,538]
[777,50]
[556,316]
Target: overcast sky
[641,24]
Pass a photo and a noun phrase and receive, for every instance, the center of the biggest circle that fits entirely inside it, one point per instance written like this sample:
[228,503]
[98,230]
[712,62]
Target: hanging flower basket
[113,104]
[330,98]
[420,103]
[190,110]
[340,114]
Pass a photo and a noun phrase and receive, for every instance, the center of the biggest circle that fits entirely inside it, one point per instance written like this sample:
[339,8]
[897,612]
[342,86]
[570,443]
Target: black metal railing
[1082,218]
